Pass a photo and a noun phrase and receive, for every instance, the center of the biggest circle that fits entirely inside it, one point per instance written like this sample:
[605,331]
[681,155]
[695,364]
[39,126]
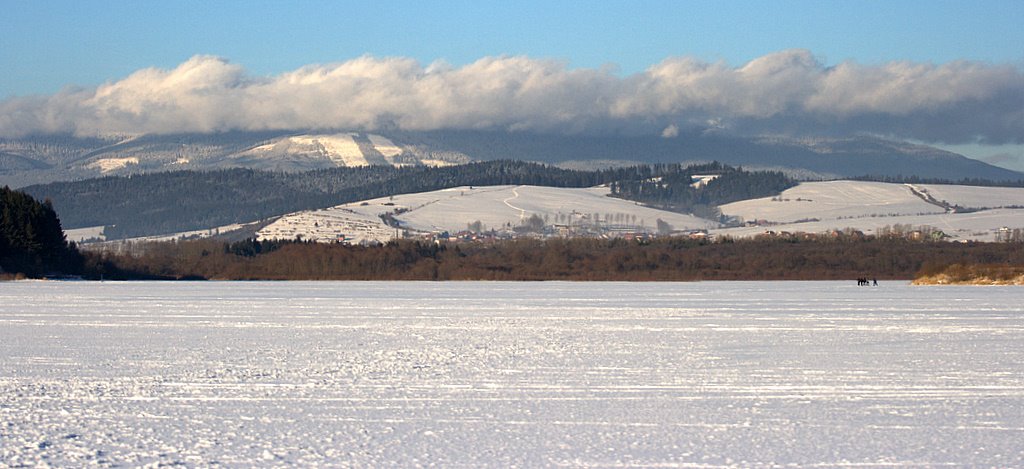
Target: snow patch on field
[107,165]
[702,180]
[80,234]
[437,163]
[181,235]
[193,234]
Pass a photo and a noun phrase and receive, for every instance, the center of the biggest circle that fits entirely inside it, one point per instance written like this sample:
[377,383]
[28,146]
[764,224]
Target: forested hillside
[31,239]
[170,202]
[678,188]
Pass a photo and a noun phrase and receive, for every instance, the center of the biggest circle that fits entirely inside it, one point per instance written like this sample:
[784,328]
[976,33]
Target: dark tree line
[978,182]
[31,239]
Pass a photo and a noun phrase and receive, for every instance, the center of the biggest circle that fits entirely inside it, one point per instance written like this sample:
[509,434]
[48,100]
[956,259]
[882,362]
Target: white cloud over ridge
[786,92]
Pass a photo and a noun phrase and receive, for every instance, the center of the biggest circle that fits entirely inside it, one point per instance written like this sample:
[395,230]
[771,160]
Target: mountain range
[41,159]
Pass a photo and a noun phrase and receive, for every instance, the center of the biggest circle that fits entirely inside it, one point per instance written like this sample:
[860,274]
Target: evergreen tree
[31,239]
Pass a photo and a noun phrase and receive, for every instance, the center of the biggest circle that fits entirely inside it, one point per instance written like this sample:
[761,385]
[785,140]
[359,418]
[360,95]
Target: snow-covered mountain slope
[51,158]
[340,149]
[39,159]
[495,207]
[817,207]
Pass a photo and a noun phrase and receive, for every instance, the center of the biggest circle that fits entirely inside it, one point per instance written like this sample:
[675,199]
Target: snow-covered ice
[485,374]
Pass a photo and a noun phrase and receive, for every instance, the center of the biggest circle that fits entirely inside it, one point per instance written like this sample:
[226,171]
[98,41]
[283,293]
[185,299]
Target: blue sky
[45,45]
[903,74]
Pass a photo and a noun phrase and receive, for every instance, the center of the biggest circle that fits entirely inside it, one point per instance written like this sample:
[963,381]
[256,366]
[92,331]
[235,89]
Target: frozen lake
[510,374]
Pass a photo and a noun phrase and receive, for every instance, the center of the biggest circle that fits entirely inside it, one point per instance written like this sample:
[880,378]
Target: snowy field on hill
[833,200]
[491,374]
[334,224]
[496,207]
[976,197]
[500,206]
[813,207]
[974,226]
[80,234]
[816,207]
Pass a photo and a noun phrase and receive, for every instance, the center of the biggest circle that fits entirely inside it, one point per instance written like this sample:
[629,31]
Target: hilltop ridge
[42,159]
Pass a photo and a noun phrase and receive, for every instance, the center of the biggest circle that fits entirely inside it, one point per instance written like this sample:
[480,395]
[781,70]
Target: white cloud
[785,92]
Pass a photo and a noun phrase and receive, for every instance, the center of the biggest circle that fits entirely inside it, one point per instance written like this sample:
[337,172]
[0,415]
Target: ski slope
[385,147]
[339,148]
[493,374]
[342,149]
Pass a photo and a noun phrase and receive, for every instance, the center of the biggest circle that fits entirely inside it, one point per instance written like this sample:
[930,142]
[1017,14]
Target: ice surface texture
[479,374]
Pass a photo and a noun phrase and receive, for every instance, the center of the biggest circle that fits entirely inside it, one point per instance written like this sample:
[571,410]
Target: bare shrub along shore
[665,259]
[977,274]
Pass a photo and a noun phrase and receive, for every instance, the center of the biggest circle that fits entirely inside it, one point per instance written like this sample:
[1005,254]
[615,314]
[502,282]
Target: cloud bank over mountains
[789,92]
